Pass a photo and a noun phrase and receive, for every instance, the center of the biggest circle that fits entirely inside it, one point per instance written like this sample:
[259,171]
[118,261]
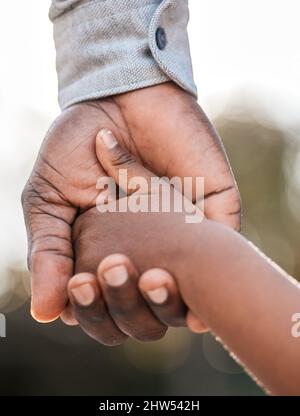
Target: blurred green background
[248,76]
[54,359]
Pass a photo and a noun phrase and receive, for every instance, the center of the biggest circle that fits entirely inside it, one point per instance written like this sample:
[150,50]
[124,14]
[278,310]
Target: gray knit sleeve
[106,47]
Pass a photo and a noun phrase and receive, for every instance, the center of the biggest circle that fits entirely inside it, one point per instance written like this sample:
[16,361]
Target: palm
[162,126]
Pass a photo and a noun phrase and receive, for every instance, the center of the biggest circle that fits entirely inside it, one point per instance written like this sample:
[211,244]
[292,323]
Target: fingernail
[107,138]
[84,294]
[159,295]
[116,276]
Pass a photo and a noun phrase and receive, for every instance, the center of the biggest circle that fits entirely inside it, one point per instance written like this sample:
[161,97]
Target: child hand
[111,303]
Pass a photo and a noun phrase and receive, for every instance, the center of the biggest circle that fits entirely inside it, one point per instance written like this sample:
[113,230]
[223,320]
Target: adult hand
[116,302]
[111,302]
[162,126]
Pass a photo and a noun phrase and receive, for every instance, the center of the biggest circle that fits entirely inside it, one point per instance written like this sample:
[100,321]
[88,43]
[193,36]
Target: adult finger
[48,219]
[118,278]
[161,292]
[90,310]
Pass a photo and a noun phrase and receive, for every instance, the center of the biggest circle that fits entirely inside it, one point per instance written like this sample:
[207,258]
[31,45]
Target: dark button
[161,38]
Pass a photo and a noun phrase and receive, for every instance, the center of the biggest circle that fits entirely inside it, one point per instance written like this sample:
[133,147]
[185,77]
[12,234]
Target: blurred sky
[248,42]
[248,45]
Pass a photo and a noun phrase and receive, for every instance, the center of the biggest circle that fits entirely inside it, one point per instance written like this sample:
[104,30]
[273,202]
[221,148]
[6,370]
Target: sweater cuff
[107,47]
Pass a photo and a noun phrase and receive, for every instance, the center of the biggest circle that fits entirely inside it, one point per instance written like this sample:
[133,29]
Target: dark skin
[152,239]
[243,297]
[163,127]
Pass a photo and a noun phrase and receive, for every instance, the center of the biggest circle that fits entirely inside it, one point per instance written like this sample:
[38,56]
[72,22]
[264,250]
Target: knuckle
[25,196]
[121,158]
[126,317]
[98,328]
[98,318]
[41,191]
[30,198]
[91,316]
[54,244]
[119,311]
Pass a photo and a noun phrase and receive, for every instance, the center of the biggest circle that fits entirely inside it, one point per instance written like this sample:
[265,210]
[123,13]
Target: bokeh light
[247,68]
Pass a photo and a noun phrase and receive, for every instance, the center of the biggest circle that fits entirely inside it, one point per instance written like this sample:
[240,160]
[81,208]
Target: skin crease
[162,126]
[243,297]
[125,303]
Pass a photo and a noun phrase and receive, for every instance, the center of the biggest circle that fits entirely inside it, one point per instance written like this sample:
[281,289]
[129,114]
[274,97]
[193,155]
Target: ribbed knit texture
[106,47]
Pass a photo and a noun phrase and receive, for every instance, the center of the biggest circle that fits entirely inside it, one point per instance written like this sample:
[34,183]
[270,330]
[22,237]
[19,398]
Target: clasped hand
[165,130]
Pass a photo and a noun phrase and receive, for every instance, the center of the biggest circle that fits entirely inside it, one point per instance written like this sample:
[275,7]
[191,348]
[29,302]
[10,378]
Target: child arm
[247,301]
